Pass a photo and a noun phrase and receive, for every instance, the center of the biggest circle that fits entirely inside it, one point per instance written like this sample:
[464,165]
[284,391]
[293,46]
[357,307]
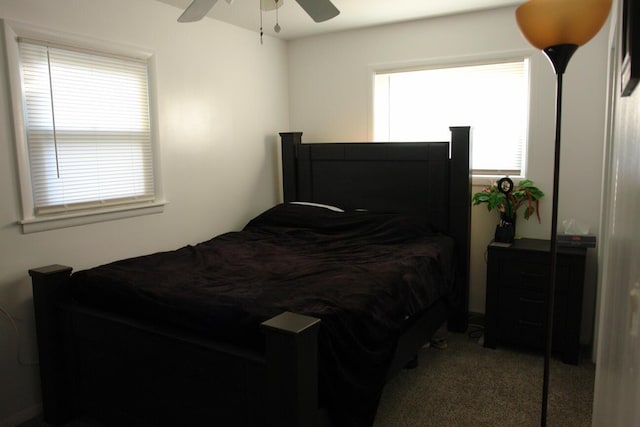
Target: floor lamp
[558,28]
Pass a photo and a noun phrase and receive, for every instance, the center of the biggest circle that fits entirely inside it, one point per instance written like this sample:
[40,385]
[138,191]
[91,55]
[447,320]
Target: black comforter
[363,274]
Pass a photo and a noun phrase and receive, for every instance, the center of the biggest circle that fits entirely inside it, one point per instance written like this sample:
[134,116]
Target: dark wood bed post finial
[292,360]
[290,143]
[50,289]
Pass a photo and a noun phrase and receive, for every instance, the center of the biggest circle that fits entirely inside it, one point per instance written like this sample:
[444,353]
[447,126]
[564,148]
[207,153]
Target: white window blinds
[87,126]
[493,99]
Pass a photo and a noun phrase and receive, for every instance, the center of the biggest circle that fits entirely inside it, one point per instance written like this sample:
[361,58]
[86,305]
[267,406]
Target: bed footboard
[160,376]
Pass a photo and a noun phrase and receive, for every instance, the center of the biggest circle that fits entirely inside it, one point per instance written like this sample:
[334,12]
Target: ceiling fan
[318,10]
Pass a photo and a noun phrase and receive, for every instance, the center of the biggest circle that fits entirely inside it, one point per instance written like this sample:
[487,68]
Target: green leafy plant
[508,202]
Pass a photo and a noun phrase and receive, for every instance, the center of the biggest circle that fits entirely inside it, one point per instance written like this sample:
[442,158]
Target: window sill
[37,224]
[485,180]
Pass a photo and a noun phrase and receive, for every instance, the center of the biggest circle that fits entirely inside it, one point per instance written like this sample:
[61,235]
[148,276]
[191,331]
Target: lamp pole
[559,57]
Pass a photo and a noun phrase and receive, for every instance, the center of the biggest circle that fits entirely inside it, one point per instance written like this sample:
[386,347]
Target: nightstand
[517,282]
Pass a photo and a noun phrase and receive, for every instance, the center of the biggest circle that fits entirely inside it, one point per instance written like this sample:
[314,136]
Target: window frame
[31,222]
[461,61]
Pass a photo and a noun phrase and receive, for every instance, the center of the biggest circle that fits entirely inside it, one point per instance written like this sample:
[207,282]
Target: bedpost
[460,222]
[292,370]
[50,288]
[290,143]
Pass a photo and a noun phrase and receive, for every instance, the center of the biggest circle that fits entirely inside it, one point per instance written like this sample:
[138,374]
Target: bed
[296,320]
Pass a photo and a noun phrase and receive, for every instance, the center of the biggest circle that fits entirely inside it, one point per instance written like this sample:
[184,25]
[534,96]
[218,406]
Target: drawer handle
[527,323]
[531,301]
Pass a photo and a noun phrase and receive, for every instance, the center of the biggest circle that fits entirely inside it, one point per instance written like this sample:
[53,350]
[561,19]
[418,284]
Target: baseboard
[22,416]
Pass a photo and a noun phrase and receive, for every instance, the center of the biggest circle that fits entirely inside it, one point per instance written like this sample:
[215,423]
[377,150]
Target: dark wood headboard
[425,178]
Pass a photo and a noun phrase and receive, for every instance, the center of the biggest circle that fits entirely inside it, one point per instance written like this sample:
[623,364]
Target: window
[492,98]
[84,132]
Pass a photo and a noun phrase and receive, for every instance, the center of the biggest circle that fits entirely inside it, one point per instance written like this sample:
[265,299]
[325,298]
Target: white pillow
[319,205]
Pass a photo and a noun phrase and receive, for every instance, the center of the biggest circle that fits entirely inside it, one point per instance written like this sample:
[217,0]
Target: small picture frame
[630,52]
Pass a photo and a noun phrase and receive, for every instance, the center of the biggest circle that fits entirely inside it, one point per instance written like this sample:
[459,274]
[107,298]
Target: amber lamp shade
[546,23]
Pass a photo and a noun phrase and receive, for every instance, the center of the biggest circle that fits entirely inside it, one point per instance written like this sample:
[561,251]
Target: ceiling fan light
[546,23]
[267,5]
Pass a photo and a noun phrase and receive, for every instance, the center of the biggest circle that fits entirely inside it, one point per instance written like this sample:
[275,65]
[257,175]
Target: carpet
[469,385]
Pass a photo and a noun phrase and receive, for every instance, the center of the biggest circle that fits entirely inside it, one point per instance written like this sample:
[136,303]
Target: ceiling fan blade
[196,10]
[319,10]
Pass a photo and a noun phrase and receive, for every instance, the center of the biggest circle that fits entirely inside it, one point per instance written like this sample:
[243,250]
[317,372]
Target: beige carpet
[468,385]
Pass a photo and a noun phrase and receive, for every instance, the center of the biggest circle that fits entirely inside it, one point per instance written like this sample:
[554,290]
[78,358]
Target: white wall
[330,98]
[222,98]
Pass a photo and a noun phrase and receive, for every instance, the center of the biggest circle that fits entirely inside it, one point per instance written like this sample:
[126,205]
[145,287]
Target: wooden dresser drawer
[532,272]
[521,319]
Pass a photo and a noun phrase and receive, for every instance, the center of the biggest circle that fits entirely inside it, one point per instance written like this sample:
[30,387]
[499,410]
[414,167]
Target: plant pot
[505,231]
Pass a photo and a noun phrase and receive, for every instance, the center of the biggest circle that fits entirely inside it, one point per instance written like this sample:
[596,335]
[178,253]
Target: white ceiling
[296,23]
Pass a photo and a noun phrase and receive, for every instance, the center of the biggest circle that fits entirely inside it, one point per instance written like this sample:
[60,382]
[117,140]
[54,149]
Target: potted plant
[508,198]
